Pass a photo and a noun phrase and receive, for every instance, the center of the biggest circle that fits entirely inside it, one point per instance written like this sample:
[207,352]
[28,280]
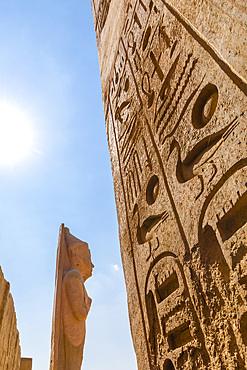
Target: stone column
[174,90]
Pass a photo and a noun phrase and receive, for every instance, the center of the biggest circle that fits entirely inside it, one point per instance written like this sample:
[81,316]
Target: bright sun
[16,134]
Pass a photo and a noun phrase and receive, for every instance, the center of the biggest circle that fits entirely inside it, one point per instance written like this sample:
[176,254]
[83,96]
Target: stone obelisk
[174,84]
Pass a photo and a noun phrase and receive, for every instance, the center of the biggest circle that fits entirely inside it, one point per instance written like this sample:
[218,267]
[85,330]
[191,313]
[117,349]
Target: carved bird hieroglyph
[200,155]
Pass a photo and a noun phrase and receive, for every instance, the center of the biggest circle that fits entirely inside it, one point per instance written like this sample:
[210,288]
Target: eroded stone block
[26,363]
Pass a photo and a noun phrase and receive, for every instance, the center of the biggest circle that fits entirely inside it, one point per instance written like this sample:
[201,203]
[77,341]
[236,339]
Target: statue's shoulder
[72,274]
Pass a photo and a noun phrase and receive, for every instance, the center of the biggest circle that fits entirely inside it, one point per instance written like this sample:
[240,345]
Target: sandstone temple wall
[10,353]
[174,91]
[10,350]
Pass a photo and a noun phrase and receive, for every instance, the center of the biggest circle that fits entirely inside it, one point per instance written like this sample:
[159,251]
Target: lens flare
[16,134]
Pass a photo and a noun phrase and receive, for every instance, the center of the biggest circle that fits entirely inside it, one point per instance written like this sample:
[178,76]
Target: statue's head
[79,255]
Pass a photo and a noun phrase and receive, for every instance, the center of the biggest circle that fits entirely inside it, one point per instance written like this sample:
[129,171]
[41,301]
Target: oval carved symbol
[152,190]
[205,106]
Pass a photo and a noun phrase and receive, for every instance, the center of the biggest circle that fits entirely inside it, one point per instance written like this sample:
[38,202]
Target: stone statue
[71,303]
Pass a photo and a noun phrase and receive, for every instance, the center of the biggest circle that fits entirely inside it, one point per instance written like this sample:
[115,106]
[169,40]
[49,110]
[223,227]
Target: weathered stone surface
[71,302]
[10,352]
[174,91]
[26,364]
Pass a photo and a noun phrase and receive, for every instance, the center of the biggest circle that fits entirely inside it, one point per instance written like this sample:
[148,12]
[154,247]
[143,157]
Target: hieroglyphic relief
[101,9]
[176,114]
[223,25]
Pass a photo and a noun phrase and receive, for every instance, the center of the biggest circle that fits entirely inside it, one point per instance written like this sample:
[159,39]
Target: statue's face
[81,260]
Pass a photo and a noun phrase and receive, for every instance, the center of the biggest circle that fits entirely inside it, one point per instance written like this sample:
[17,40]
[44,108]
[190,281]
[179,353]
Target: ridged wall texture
[9,336]
[174,87]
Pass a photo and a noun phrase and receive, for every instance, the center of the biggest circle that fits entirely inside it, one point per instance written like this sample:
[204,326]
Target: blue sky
[49,69]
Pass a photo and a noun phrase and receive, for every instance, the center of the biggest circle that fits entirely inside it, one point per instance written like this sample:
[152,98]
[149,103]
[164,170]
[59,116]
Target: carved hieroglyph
[174,90]
[71,302]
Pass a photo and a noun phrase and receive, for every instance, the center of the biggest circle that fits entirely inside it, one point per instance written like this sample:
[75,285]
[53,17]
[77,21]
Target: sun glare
[16,134]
